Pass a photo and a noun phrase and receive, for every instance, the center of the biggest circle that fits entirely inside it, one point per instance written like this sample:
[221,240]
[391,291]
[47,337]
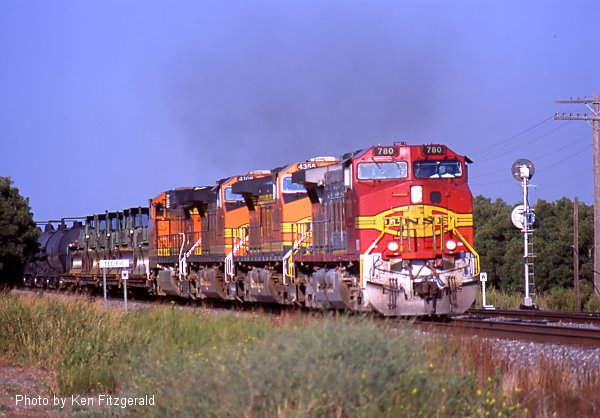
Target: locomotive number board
[385,151]
[434,149]
[306,166]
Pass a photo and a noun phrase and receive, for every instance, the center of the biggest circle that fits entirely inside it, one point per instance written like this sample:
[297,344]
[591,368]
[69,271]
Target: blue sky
[104,104]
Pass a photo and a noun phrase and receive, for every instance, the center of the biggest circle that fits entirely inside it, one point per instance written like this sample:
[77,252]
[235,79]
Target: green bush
[586,290]
[559,299]
[593,304]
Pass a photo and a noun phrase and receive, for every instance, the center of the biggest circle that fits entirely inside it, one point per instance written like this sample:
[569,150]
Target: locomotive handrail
[182,258]
[470,248]
[287,258]
[376,241]
[194,247]
[229,268]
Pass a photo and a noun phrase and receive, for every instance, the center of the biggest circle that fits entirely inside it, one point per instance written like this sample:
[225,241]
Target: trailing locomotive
[388,229]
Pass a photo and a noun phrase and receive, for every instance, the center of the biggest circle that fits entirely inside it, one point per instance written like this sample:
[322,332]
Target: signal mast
[523,217]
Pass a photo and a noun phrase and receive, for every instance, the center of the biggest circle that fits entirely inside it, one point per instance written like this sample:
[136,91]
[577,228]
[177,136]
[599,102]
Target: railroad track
[591,318]
[536,331]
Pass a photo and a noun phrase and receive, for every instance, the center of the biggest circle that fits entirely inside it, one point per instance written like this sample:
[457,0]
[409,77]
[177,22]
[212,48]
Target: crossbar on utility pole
[595,120]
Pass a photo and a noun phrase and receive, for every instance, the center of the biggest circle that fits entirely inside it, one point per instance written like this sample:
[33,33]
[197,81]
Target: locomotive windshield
[289,187]
[382,171]
[437,169]
[232,197]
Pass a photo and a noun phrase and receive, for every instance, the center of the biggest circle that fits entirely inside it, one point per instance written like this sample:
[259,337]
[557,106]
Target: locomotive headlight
[451,245]
[393,246]
[416,194]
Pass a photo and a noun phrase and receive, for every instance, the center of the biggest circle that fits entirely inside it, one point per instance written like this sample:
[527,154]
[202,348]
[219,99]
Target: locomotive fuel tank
[331,288]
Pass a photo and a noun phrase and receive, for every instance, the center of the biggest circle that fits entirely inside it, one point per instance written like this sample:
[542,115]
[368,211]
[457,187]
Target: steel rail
[592,318]
[544,333]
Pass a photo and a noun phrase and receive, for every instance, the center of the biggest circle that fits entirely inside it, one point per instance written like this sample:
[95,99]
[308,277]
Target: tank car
[53,259]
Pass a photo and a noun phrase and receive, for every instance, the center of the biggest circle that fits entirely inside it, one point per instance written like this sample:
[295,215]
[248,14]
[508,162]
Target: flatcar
[386,229]
[106,236]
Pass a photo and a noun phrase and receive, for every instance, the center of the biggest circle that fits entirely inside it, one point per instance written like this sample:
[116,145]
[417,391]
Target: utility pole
[594,119]
[576,253]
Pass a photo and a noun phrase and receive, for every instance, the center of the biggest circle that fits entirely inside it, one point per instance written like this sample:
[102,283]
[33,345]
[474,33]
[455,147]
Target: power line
[503,170]
[568,145]
[575,154]
[492,182]
[488,156]
[505,141]
[594,119]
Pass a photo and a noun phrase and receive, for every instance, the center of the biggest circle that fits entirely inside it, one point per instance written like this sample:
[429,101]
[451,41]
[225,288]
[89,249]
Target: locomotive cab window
[435,169]
[232,197]
[292,188]
[159,210]
[383,170]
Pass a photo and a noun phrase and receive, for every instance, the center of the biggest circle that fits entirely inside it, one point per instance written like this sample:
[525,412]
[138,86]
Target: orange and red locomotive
[392,231]
[388,228]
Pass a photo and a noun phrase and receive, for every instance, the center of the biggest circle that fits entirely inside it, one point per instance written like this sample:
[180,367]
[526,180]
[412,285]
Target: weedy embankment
[290,366]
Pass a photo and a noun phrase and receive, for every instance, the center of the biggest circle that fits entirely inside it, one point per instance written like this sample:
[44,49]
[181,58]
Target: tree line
[500,244]
[18,233]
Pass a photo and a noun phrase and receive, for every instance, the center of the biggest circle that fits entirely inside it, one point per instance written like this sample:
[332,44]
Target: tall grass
[294,366]
[500,299]
[332,368]
[557,299]
[75,338]
[541,388]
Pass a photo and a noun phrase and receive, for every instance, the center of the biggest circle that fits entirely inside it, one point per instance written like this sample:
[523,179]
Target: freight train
[386,229]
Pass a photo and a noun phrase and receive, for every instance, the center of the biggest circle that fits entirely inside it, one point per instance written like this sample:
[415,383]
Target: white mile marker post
[109,264]
[124,277]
